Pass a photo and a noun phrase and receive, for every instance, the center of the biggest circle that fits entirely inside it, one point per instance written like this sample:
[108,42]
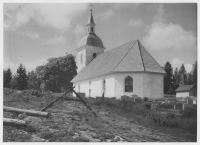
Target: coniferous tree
[183,75]
[189,79]
[7,76]
[168,80]
[22,77]
[176,79]
[194,73]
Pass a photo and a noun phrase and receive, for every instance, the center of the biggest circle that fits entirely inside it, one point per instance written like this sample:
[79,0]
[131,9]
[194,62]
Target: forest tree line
[57,73]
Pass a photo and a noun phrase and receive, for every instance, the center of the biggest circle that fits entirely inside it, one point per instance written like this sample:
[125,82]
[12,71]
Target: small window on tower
[91,29]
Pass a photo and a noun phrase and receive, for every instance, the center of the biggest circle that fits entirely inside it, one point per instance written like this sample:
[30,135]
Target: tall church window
[91,29]
[128,84]
[81,58]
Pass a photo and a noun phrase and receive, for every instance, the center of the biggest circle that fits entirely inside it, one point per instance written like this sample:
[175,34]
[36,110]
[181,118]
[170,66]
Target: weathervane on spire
[91,7]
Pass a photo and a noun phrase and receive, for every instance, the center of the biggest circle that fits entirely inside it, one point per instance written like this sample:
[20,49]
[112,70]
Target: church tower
[90,46]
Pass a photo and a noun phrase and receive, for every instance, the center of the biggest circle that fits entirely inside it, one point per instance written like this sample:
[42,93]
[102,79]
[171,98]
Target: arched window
[128,84]
[81,58]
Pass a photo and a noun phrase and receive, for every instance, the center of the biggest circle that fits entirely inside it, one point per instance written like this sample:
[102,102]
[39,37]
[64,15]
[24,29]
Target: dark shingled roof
[130,57]
[184,88]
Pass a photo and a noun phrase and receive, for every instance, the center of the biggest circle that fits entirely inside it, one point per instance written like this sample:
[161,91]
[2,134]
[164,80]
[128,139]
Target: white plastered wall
[96,86]
[144,85]
[182,94]
[137,84]
[153,85]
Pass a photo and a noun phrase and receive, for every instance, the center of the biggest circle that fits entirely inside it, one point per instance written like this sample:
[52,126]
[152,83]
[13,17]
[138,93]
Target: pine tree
[168,80]
[22,78]
[176,79]
[189,79]
[194,73]
[183,75]
[7,76]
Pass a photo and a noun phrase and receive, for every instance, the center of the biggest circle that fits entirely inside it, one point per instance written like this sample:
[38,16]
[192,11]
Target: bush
[190,113]
[148,106]
[146,99]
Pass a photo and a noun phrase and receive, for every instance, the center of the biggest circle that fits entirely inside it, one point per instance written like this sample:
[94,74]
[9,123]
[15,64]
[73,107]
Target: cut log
[45,108]
[28,112]
[84,102]
[14,121]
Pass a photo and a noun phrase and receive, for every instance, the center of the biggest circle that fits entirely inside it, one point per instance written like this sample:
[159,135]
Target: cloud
[106,15]
[58,16]
[79,32]
[160,11]
[56,40]
[31,35]
[135,22]
[165,36]
[176,62]
[188,67]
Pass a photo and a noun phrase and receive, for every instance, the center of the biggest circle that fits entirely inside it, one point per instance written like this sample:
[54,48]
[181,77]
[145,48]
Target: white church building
[126,70]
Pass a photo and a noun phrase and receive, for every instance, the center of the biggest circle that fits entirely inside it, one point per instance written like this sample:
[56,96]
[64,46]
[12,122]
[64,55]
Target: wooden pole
[83,101]
[28,112]
[14,121]
[45,108]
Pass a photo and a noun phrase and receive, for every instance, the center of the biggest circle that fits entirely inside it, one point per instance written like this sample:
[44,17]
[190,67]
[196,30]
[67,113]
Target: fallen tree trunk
[45,108]
[14,121]
[28,112]
[83,101]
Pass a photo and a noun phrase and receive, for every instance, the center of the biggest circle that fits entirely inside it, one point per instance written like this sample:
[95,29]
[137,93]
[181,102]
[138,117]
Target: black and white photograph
[99,71]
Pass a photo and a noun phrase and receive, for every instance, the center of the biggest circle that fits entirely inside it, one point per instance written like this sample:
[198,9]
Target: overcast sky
[34,33]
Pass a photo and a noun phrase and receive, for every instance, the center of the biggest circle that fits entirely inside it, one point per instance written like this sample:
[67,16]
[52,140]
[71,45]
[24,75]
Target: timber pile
[28,112]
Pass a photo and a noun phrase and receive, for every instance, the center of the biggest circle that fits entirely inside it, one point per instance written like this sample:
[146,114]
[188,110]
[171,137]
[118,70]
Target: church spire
[91,24]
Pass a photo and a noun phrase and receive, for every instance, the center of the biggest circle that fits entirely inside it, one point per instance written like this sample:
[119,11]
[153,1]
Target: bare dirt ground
[72,122]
